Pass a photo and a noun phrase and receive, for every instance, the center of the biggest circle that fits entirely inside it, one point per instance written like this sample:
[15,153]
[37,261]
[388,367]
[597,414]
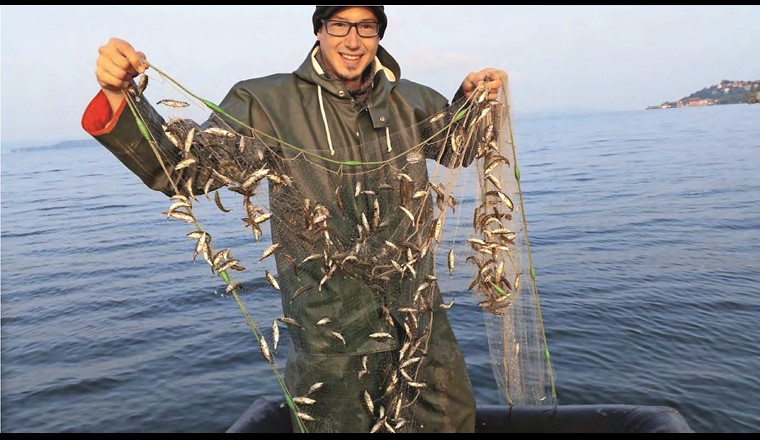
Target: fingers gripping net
[362,236]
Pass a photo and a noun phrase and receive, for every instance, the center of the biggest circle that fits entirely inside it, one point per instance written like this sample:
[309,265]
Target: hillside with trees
[727,92]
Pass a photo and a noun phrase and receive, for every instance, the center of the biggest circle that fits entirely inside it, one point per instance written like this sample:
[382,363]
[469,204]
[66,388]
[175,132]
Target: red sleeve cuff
[98,118]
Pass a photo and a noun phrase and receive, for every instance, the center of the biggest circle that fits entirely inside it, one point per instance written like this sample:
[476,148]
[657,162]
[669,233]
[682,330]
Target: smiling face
[347,57]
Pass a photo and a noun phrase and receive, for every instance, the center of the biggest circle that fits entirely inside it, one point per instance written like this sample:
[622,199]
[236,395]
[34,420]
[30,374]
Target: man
[344,100]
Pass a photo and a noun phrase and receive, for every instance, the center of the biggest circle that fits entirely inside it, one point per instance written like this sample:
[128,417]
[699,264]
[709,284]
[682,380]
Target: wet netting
[372,243]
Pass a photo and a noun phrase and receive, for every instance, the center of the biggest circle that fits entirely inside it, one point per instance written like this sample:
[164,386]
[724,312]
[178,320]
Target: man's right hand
[117,64]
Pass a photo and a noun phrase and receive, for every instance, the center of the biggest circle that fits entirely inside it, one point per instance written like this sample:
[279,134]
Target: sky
[559,58]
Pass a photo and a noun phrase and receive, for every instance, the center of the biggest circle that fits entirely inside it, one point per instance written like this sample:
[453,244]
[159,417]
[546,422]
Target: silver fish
[289,321]
[232,287]
[269,251]
[265,349]
[304,401]
[275,334]
[173,103]
[219,132]
[306,417]
[339,336]
[368,402]
[185,163]
[272,280]
[316,387]
[142,84]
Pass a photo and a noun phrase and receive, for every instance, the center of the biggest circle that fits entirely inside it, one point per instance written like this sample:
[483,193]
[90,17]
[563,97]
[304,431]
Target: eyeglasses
[365,29]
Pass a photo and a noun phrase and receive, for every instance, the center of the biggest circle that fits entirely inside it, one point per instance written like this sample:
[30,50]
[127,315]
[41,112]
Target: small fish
[448,305]
[438,228]
[272,280]
[172,138]
[368,402]
[218,257]
[311,257]
[255,177]
[316,387]
[189,188]
[364,370]
[229,264]
[306,417]
[196,234]
[391,245]
[408,214]
[451,261]
[202,246]
[365,222]
[189,140]
[262,218]
[233,287]
[173,103]
[324,321]
[142,85]
[404,177]
[494,180]
[437,117]
[207,187]
[219,132]
[339,336]
[375,214]
[495,161]
[269,251]
[406,375]
[381,335]
[275,334]
[411,361]
[180,198]
[185,163]
[301,290]
[304,401]
[177,205]
[265,349]
[397,412]
[377,426]
[289,321]
[179,215]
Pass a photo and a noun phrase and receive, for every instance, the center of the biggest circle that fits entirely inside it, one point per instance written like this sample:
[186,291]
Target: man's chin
[349,76]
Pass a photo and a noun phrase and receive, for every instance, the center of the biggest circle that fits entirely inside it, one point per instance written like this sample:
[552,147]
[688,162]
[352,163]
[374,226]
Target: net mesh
[371,243]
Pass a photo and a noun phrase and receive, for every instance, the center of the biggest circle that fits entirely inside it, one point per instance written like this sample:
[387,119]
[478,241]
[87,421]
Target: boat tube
[270,414]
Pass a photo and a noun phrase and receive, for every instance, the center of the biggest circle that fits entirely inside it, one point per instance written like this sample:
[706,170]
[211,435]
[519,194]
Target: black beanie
[325,12]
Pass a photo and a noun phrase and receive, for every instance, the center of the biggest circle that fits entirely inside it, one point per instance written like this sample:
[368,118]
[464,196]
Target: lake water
[645,235]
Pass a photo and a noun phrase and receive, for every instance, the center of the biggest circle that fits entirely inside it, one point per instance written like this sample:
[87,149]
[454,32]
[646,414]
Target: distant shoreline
[727,92]
[41,145]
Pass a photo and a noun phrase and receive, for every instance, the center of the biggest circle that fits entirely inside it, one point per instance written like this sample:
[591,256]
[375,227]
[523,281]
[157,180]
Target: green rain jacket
[317,114]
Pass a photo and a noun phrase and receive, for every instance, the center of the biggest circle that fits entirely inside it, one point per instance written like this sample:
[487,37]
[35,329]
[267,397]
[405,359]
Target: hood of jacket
[387,75]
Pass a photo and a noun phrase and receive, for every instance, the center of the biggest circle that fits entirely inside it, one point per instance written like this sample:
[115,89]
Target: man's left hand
[490,78]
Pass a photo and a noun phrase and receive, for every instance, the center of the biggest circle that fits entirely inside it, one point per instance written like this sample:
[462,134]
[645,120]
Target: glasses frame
[351,25]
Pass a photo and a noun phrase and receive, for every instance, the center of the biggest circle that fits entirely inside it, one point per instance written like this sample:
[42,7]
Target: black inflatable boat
[270,414]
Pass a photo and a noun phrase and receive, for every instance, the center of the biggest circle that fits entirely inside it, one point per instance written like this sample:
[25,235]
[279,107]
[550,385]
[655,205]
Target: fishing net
[372,243]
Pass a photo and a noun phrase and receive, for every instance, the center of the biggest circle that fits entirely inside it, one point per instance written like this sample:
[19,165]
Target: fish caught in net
[372,242]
